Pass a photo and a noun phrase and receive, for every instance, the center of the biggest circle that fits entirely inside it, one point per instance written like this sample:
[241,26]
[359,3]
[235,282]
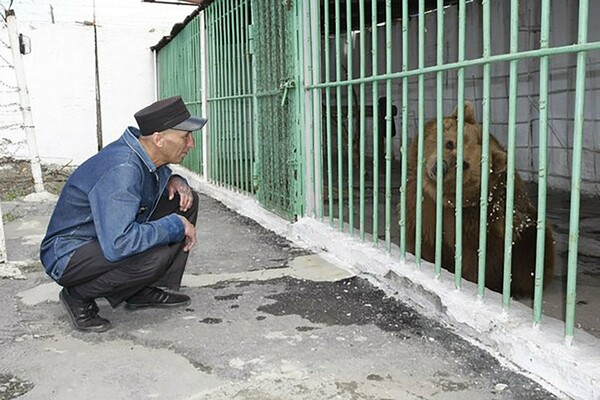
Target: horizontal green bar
[575,48]
[234,97]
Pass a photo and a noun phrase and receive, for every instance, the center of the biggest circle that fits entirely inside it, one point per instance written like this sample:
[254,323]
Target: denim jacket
[110,197]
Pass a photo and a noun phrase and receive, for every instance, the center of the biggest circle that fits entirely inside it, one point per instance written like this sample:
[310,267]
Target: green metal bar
[376,134]
[388,127]
[404,129]
[211,72]
[459,146]
[239,96]
[543,167]
[553,51]
[439,141]
[300,76]
[510,164]
[213,87]
[221,89]
[362,116]
[236,90]
[241,103]
[420,135]
[224,132]
[311,111]
[328,116]
[338,101]
[230,88]
[243,149]
[350,113]
[576,179]
[247,114]
[271,183]
[485,151]
[216,127]
[319,113]
[257,167]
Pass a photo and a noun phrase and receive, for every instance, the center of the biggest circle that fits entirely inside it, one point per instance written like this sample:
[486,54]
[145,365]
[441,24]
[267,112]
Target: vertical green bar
[420,134]
[319,113]
[439,140]
[247,111]
[311,113]
[459,145]
[338,101]
[361,18]
[210,71]
[257,167]
[216,124]
[328,116]
[229,79]
[350,113]
[485,151]
[388,126]
[215,88]
[220,93]
[404,130]
[223,92]
[576,178]
[375,118]
[235,117]
[543,166]
[242,127]
[300,74]
[510,164]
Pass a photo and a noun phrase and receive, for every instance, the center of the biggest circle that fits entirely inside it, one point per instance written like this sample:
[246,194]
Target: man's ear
[158,139]
[470,117]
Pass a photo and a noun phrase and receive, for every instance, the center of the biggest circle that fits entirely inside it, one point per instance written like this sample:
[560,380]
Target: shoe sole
[156,305]
[103,328]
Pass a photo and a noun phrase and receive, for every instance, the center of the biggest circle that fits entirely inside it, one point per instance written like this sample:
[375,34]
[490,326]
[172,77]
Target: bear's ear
[470,117]
[498,159]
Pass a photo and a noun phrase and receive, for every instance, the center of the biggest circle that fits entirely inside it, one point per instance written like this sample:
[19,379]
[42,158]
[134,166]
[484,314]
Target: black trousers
[91,275]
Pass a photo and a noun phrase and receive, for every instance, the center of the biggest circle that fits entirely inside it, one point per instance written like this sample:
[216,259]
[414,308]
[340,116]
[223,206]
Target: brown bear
[524,224]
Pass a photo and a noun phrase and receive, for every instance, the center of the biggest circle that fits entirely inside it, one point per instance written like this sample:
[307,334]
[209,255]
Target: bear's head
[472,149]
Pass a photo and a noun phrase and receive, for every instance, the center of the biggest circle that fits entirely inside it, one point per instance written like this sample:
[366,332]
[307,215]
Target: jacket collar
[131,138]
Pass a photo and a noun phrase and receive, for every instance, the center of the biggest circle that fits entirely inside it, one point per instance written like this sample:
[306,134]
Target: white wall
[61,73]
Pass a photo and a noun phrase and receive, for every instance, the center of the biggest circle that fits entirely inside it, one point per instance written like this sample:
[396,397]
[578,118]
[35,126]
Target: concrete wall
[61,72]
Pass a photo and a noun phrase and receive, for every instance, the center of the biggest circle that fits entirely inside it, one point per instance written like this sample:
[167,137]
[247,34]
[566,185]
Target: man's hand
[178,185]
[190,234]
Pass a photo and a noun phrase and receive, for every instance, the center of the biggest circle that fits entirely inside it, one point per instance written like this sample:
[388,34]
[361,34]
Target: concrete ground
[268,320]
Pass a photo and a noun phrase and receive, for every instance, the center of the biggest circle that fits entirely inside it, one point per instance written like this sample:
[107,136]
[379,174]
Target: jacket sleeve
[114,202]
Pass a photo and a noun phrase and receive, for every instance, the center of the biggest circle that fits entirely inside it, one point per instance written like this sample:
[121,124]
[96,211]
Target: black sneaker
[153,297]
[83,313]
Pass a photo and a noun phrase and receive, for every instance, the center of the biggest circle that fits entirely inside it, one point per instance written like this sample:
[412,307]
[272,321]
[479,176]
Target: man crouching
[123,225]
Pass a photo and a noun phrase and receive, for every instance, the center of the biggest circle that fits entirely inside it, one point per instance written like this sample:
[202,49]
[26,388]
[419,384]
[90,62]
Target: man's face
[176,145]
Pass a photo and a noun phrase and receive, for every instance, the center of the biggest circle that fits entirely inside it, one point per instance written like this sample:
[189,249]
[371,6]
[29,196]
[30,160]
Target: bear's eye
[465,165]
[449,145]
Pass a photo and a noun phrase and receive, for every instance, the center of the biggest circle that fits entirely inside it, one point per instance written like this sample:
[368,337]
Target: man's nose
[191,143]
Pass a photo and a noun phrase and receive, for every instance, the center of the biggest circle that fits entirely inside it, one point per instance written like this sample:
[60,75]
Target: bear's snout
[432,170]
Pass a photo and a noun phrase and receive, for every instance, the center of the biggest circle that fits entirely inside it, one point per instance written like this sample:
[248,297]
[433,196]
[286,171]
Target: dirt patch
[16,179]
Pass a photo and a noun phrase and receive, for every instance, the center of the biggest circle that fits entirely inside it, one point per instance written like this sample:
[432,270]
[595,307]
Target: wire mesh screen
[275,100]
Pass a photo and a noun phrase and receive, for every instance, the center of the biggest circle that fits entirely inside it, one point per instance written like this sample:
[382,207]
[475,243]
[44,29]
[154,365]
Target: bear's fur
[524,224]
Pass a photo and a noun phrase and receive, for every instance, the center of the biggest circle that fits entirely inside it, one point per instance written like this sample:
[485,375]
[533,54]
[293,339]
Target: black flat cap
[166,114]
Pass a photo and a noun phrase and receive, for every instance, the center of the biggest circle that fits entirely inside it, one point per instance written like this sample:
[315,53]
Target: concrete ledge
[541,352]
